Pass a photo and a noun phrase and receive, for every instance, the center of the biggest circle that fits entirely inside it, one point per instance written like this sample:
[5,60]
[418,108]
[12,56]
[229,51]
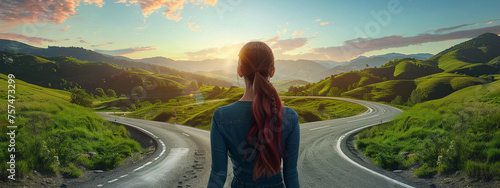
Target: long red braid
[265,136]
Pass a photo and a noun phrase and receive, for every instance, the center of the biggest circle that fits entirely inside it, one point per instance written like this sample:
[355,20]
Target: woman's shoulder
[289,111]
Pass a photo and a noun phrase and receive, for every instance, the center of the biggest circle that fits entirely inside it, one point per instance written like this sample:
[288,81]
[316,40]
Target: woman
[256,131]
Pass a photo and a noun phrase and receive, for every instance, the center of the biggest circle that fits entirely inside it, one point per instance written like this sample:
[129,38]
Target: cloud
[34,11]
[452,28]
[297,33]
[492,21]
[102,44]
[231,51]
[66,28]
[173,7]
[284,31]
[28,39]
[324,23]
[192,27]
[317,20]
[126,51]
[278,32]
[225,52]
[355,47]
[141,27]
[289,44]
[83,41]
[350,49]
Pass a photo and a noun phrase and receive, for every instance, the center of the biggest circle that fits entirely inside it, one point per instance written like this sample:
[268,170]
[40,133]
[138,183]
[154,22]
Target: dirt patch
[453,180]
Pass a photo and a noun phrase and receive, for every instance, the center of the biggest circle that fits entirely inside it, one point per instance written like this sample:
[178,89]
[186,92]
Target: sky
[332,30]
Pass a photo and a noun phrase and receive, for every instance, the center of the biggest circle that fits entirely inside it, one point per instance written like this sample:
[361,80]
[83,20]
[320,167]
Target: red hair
[265,135]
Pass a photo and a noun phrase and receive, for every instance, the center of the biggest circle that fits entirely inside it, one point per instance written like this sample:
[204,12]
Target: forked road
[184,160]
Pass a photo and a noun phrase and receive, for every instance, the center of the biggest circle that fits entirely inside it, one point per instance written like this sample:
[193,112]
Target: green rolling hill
[62,72]
[53,134]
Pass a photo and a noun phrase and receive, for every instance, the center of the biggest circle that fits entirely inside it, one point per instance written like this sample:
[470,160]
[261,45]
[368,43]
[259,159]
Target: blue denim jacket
[230,125]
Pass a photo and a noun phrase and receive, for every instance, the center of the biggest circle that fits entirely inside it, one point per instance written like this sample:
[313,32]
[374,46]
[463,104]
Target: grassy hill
[470,57]
[285,84]
[383,91]
[458,132]
[53,132]
[439,85]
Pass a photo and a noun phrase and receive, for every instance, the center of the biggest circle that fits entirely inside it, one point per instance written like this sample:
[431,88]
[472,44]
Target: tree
[111,93]
[416,96]
[368,97]
[80,97]
[398,100]
[334,92]
[100,92]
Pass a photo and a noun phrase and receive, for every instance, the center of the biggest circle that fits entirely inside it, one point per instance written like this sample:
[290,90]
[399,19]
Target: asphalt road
[183,159]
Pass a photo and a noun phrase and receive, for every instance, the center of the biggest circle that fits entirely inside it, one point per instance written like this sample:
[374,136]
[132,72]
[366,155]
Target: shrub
[424,171]
[71,171]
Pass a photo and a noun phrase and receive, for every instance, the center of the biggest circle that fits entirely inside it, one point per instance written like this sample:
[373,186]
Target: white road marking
[122,176]
[319,127]
[185,134]
[342,154]
[100,185]
[111,181]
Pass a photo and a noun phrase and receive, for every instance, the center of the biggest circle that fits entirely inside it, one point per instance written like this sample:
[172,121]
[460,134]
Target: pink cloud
[28,39]
[193,27]
[173,7]
[324,23]
[34,11]
[297,33]
[66,28]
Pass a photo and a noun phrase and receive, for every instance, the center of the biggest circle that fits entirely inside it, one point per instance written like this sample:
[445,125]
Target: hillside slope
[52,132]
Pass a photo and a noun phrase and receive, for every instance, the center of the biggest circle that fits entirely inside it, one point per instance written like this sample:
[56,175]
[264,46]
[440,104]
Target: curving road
[182,158]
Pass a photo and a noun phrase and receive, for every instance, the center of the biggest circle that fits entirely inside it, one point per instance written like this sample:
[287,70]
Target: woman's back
[230,127]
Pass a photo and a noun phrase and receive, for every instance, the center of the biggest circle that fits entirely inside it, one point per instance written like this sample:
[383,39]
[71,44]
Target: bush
[71,171]
[388,162]
[424,171]
[106,161]
[80,97]
[398,100]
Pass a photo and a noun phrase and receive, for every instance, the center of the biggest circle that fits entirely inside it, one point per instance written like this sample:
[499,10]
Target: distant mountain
[372,61]
[89,55]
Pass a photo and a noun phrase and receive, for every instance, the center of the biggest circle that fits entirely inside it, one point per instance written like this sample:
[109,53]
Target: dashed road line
[111,181]
[185,134]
